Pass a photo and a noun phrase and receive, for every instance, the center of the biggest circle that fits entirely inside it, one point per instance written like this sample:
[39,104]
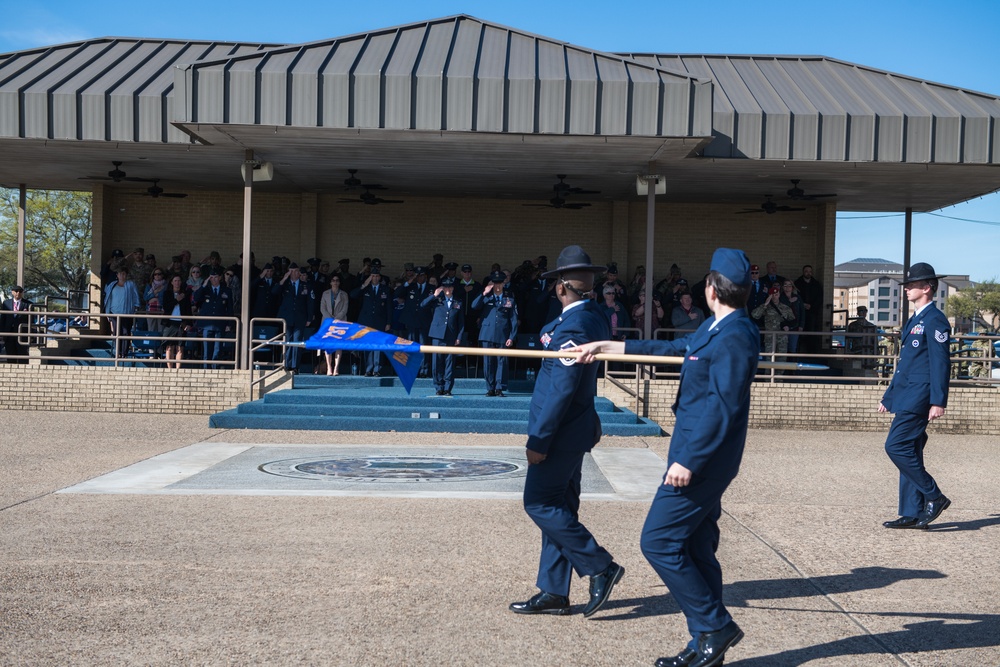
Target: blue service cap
[733,264]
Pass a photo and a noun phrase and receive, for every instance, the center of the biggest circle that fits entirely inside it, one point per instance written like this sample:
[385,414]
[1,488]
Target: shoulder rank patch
[567,361]
[940,336]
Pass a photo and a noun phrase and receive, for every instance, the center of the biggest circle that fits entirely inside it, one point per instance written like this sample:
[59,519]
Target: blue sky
[950,42]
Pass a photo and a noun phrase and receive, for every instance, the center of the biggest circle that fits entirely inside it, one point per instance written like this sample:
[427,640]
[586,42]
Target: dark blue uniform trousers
[552,500]
[443,367]
[494,368]
[679,539]
[905,447]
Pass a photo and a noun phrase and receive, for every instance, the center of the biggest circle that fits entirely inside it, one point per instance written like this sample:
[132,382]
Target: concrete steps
[347,403]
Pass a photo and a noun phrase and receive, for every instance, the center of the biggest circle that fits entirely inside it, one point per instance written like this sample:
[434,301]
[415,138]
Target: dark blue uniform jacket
[921,377]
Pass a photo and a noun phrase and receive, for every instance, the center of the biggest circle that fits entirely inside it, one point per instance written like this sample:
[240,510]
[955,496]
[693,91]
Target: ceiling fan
[559,202]
[796,193]
[563,188]
[352,182]
[367,197]
[155,191]
[769,207]
[116,175]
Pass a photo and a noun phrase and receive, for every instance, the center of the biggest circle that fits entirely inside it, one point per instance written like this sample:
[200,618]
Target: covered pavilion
[469,123]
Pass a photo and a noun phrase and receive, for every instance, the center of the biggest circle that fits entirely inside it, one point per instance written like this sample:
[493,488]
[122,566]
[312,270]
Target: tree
[979,303]
[58,235]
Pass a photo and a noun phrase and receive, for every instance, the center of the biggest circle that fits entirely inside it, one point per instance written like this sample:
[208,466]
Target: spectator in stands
[639,312]
[467,289]
[414,319]
[139,271]
[109,272]
[213,299]
[296,309]
[447,328]
[185,256]
[333,304]
[174,268]
[666,287]
[790,297]
[498,312]
[864,341]
[121,298]
[376,311]
[153,297]
[698,294]
[450,270]
[776,316]
[757,295]
[686,315]
[232,281]
[616,313]
[771,278]
[436,267]
[265,303]
[176,304]
[151,261]
[214,260]
[811,293]
[611,278]
[195,279]
[11,322]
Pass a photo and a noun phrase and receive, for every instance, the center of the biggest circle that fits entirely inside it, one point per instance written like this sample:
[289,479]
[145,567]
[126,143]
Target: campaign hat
[921,271]
[573,258]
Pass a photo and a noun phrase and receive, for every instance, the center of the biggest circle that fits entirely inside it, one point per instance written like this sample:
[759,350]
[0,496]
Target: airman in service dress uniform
[498,312]
[681,533]
[376,312]
[918,394]
[447,328]
[562,427]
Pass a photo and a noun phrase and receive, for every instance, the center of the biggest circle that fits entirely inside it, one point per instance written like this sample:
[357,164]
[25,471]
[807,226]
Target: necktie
[216,290]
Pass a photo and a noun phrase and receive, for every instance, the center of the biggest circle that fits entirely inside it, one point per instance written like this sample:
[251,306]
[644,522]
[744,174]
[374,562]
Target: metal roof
[873,265]
[818,108]
[107,89]
[455,74]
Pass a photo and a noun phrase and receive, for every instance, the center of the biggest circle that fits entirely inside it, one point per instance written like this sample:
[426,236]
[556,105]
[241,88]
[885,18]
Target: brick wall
[829,407]
[146,390]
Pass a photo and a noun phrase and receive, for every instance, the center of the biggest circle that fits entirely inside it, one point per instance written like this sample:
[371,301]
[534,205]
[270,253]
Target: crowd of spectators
[190,294]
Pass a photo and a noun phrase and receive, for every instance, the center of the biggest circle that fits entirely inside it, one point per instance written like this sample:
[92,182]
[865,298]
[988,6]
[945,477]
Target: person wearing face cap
[776,316]
[498,313]
[562,427]
[918,394]
[712,408]
[11,321]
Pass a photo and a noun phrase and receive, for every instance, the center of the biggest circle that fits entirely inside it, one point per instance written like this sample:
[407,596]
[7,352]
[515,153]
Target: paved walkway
[206,578]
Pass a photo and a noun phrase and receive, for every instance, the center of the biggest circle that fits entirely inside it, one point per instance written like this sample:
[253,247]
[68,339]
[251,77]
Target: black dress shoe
[543,603]
[932,511]
[682,659]
[902,522]
[446,392]
[712,646]
[601,586]
[440,392]
[369,374]
[491,393]
[500,393]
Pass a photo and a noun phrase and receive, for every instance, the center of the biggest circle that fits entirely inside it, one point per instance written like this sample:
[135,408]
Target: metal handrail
[256,344]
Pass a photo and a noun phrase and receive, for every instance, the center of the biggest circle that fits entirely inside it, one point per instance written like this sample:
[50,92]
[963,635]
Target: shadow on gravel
[742,593]
[993,520]
[944,632]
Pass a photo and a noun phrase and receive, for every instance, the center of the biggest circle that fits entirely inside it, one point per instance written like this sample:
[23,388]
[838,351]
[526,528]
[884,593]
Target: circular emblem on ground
[396,468]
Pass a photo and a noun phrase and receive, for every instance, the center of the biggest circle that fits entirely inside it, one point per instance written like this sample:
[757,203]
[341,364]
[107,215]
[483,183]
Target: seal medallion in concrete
[395,469]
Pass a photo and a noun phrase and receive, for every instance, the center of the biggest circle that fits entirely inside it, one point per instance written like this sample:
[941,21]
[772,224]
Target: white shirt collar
[573,305]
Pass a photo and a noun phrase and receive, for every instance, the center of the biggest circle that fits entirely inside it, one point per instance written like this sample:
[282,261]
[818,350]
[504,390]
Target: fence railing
[852,357]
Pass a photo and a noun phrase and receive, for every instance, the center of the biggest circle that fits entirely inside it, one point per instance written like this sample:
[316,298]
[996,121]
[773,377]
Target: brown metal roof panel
[552,86]
[612,96]
[336,84]
[777,119]
[461,71]
[305,80]
[490,80]
[241,107]
[399,79]
[210,84]
[273,88]
[430,79]
[368,80]
[646,99]
[522,109]
[583,90]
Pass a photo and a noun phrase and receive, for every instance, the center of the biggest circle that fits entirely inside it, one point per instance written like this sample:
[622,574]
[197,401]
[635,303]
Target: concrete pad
[178,579]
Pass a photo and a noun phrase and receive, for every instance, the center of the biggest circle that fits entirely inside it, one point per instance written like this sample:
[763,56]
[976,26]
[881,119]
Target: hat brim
[593,268]
[917,279]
